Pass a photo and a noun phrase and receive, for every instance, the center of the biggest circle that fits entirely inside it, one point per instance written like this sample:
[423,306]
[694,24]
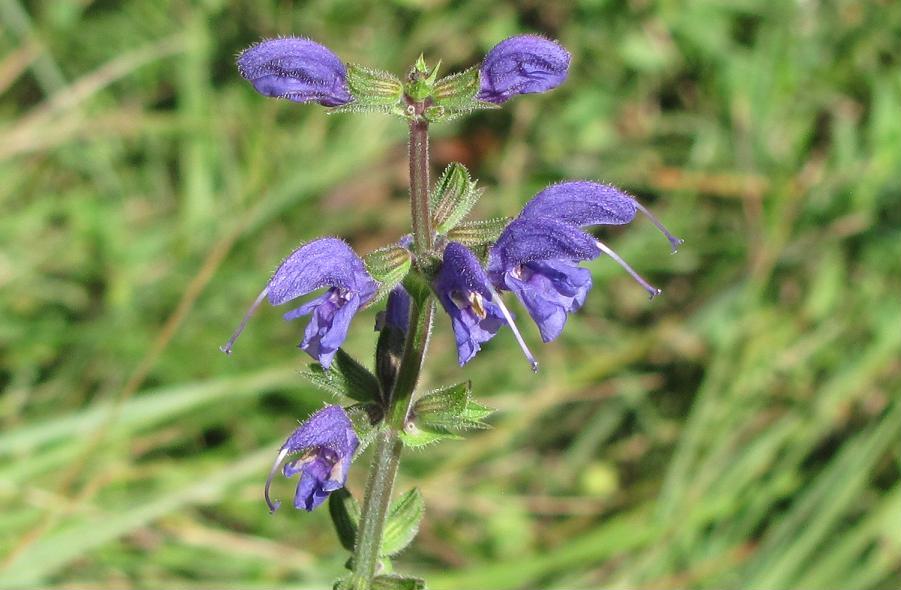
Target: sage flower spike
[326,262]
[296,69]
[523,64]
[327,442]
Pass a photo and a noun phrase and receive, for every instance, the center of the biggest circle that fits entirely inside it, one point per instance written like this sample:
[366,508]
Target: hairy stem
[423,236]
[386,458]
[375,507]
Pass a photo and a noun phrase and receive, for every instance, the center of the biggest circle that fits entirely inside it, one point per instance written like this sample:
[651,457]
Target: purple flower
[522,65]
[463,290]
[328,442]
[536,256]
[295,69]
[536,259]
[326,262]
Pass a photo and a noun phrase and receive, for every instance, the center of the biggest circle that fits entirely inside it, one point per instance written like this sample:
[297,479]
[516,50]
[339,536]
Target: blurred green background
[741,431]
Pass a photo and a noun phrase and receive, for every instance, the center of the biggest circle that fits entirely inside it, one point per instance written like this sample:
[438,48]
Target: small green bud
[421,81]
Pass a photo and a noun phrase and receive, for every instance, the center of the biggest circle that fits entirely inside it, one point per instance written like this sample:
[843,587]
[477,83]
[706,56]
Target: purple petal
[522,65]
[329,325]
[296,69]
[582,203]
[329,427]
[536,240]
[549,291]
[462,288]
[323,262]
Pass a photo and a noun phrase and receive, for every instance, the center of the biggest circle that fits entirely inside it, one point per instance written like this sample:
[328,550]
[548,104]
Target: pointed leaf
[449,409]
[415,438]
[346,377]
[403,522]
[453,197]
[345,513]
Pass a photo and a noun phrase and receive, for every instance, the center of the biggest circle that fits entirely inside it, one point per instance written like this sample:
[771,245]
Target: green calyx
[454,196]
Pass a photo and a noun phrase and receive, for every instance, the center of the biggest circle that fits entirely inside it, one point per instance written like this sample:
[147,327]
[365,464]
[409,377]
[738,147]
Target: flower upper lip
[296,69]
[326,262]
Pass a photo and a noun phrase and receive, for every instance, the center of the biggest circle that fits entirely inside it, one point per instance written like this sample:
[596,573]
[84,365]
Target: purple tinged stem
[652,290]
[227,347]
[673,240]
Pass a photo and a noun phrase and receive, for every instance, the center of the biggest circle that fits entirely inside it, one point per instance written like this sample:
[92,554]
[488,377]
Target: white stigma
[522,343]
[227,347]
[273,506]
[673,240]
[653,291]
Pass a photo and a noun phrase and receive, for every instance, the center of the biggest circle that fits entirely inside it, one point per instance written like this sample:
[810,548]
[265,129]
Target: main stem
[388,446]
[423,237]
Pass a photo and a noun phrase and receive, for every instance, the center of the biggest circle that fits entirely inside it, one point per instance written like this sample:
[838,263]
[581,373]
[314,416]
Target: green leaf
[454,196]
[373,88]
[397,583]
[403,522]
[345,513]
[388,266]
[415,438]
[346,378]
[449,409]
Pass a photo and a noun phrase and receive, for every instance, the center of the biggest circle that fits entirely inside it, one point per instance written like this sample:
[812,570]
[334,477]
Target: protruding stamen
[673,240]
[273,506]
[227,347]
[512,324]
[477,305]
[653,291]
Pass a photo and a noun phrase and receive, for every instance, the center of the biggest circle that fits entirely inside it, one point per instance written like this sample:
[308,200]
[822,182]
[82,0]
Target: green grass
[741,431]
